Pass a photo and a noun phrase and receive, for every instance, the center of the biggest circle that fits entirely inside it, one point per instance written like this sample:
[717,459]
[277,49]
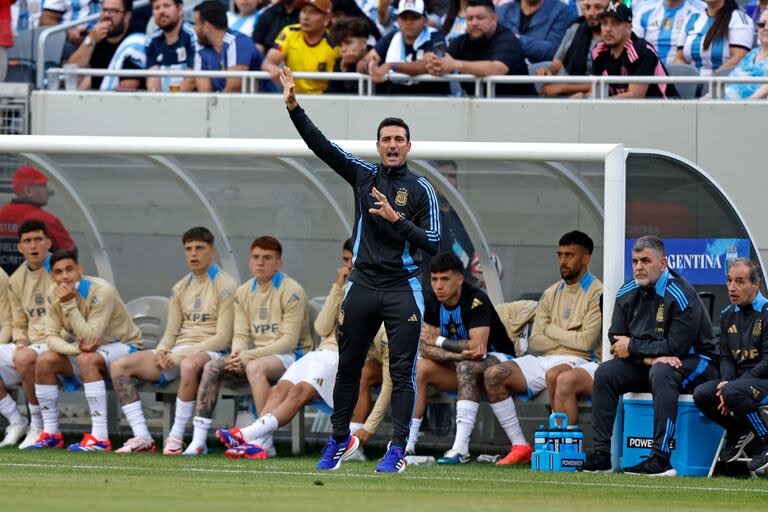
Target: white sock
[260,428]
[135,417]
[35,417]
[200,433]
[96,393]
[466,412]
[507,415]
[12,413]
[354,427]
[48,396]
[413,435]
[184,412]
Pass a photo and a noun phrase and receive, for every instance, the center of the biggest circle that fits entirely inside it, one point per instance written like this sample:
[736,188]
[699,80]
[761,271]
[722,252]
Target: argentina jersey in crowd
[474,309]
[179,55]
[741,33]
[663,26]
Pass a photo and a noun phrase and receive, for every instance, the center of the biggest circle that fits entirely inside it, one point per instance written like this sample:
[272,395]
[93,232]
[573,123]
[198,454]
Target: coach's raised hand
[289,88]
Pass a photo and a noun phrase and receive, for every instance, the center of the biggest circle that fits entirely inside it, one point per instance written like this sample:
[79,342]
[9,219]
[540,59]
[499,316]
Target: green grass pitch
[58,481]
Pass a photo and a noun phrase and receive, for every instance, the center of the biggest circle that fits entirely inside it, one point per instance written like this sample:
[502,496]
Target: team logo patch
[732,329]
[198,303]
[475,303]
[294,298]
[225,294]
[660,313]
[39,299]
[341,317]
[567,313]
[401,198]
[758,328]
[263,312]
[95,301]
[322,66]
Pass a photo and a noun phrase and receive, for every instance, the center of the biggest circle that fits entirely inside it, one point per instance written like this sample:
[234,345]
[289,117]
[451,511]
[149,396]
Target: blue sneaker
[334,453]
[90,444]
[453,457]
[230,437]
[393,461]
[47,440]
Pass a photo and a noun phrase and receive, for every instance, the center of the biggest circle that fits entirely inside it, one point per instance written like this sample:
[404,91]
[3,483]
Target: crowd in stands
[391,38]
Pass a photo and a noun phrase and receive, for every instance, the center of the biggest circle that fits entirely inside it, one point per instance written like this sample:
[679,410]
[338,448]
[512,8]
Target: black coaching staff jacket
[385,255]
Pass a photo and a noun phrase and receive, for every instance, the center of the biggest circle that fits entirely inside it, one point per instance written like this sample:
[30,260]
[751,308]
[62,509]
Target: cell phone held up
[439,48]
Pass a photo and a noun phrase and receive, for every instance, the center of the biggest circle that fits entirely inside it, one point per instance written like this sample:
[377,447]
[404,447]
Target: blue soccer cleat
[90,444]
[231,438]
[335,453]
[247,451]
[47,440]
[453,457]
[393,461]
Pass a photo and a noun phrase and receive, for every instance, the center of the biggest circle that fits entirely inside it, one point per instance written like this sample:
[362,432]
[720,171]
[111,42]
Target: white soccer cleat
[358,456]
[13,434]
[194,449]
[137,445]
[173,446]
[268,445]
[32,436]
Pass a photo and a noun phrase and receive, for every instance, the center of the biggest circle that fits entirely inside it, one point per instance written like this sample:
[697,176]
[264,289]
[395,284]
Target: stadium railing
[600,84]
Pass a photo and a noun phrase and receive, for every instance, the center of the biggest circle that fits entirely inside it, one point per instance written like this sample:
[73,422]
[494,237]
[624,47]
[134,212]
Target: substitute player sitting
[557,330]
[87,328]
[565,333]
[17,423]
[271,326]
[733,400]
[27,288]
[310,378]
[460,326]
[199,329]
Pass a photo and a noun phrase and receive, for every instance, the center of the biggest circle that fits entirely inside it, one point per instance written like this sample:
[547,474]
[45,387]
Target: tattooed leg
[501,379]
[208,391]
[126,391]
[470,377]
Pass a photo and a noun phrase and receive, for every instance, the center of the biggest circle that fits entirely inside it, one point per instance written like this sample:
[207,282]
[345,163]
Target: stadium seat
[764,412]
[150,315]
[722,72]
[686,91]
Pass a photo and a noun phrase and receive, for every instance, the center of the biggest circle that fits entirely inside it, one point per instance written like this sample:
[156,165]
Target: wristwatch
[88,41]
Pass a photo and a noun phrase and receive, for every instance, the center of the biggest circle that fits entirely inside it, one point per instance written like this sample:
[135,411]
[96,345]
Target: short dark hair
[128,5]
[198,234]
[446,262]
[348,26]
[31,225]
[64,254]
[394,121]
[177,2]
[347,245]
[214,13]
[649,242]
[577,238]
[482,3]
[268,243]
[752,267]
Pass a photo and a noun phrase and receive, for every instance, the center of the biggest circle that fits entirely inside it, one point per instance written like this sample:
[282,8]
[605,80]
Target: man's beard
[116,29]
[167,27]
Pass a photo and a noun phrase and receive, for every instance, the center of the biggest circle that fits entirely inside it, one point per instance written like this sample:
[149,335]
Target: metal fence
[14,108]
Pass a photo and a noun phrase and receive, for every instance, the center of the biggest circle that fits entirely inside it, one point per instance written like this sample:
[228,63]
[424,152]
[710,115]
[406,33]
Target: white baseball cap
[414,6]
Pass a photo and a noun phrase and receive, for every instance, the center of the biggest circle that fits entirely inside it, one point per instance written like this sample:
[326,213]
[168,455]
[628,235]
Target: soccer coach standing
[396,217]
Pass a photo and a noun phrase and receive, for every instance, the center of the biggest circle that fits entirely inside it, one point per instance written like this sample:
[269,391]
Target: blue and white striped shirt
[244,24]
[740,33]
[180,55]
[132,48]
[663,26]
[73,10]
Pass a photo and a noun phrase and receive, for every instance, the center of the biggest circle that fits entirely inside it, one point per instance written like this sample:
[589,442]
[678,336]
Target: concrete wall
[724,138]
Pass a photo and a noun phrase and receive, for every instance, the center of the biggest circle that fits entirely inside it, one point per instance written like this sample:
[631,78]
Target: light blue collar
[661,284]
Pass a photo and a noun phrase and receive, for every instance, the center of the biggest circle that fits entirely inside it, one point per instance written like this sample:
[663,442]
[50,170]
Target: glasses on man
[112,12]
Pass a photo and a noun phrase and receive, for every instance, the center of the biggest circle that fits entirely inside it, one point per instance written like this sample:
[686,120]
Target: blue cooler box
[693,445]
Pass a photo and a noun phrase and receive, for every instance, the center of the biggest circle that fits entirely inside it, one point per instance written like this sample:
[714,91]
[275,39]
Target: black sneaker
[759,462]
[597,462]
[652,466]
[735,446]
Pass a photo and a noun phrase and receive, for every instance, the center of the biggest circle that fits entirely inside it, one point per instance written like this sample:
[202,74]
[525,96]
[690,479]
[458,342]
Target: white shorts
[590,367]
[8,373]
[171,374]
[286,359]
[534,369]
[110,352]
[317,368]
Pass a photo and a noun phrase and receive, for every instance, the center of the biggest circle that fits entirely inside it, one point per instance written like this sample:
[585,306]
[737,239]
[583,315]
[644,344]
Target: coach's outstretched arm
[344,164]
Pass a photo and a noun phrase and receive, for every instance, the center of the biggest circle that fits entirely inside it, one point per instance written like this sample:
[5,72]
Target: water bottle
[730,255]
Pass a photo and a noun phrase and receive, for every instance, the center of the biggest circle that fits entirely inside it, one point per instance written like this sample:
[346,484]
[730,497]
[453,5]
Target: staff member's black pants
[618,376]
[362,313]
[743,397]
